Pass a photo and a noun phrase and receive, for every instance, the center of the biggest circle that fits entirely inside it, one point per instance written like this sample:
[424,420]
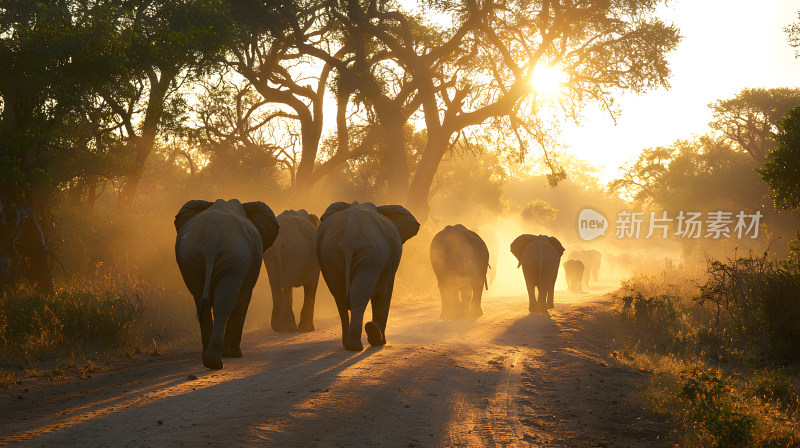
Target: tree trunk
[426,171]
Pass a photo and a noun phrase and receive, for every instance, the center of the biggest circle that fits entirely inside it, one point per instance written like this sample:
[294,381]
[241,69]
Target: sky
[727,45]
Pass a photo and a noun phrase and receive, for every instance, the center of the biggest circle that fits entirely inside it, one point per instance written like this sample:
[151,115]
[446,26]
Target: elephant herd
[357,248]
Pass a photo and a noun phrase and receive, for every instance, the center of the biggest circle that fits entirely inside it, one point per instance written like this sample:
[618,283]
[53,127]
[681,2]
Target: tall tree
[478,68]
[165,43]
[751,119]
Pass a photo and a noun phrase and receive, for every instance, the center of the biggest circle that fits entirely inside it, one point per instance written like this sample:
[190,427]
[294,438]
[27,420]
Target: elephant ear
[262,217]
[557,244]
[189,210]
[314,219]
[405,222]
[334,208]
[519,244]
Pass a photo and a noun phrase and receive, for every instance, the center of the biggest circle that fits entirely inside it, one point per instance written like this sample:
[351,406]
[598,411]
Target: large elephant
[359,248]
[573,270]
[591,262]
[539,256]
[460,260]
[291,262]
[218,248]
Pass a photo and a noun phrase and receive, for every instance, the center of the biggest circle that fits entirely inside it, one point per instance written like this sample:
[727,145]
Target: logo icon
[591,224]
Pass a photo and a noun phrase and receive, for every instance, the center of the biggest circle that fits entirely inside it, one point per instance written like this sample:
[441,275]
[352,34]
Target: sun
[548,80]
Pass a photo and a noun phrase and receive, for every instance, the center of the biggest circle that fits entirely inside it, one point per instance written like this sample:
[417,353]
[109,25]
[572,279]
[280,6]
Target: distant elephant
[291,262]
[460,260]
[23,251]
[359,248]
[591,261]
[539,256]
[218,248]
[573,270]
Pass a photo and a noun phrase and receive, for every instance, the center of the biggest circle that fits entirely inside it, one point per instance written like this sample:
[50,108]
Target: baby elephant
[539,256]
[218,249]
[573,269]
[460,260]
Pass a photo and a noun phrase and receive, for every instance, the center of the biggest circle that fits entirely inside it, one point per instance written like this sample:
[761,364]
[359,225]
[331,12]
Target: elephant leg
[449,300]
[464,303]
[226,293]
[231,342]
[307,313]
[361,288]
[376,329]
[282,319]
[475,309]
[549,300]
[206,323]
[541,298]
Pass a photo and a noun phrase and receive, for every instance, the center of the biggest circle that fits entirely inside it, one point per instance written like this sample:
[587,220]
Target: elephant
[291,262]
[23,251]
[359,248]
[591,262]
[218,248]
[460,260]
[539,256]
[573,270]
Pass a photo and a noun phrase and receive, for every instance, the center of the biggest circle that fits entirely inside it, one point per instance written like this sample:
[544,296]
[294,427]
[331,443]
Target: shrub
[34,325]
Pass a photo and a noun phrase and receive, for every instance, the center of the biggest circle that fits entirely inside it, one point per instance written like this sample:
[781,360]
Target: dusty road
[506,379]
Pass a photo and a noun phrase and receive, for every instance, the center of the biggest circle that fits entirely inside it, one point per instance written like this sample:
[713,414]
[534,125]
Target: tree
[793,35]
[480,68]
[163,43]
[702,174]
[51,51]
[538,212]
[751,119]
[782,167]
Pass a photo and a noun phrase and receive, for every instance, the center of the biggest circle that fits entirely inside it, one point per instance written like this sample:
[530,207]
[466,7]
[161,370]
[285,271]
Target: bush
[34,325]
[708,404]
[757,304]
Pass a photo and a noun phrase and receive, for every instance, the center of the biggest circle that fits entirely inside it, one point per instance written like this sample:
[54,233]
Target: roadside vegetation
[723,347]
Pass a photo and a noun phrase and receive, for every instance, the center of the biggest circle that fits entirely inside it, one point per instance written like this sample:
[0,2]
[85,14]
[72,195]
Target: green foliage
[708,405]
[782,168]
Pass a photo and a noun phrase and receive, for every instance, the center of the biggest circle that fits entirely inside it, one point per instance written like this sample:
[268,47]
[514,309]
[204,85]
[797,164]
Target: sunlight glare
[548,80]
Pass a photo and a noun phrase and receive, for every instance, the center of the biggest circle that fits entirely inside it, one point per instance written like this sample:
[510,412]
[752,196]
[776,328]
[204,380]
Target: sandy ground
[506,379]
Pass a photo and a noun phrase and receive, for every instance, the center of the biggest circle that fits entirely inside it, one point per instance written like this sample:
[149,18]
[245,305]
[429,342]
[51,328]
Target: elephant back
[522,242]
[458,250]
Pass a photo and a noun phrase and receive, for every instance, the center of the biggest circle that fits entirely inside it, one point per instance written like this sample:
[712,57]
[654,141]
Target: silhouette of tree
[782,167]
[751,119]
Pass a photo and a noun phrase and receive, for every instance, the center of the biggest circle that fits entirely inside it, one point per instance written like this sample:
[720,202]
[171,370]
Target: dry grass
[722,371]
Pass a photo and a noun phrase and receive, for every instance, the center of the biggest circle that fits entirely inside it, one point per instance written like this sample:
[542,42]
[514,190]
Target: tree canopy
[782,167]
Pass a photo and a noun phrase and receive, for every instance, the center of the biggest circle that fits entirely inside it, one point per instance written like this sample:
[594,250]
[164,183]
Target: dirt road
[506,379]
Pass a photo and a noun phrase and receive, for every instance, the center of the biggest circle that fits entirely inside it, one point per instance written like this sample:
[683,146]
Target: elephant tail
[348,261]
[278,257]
[205,301]
[485,283]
